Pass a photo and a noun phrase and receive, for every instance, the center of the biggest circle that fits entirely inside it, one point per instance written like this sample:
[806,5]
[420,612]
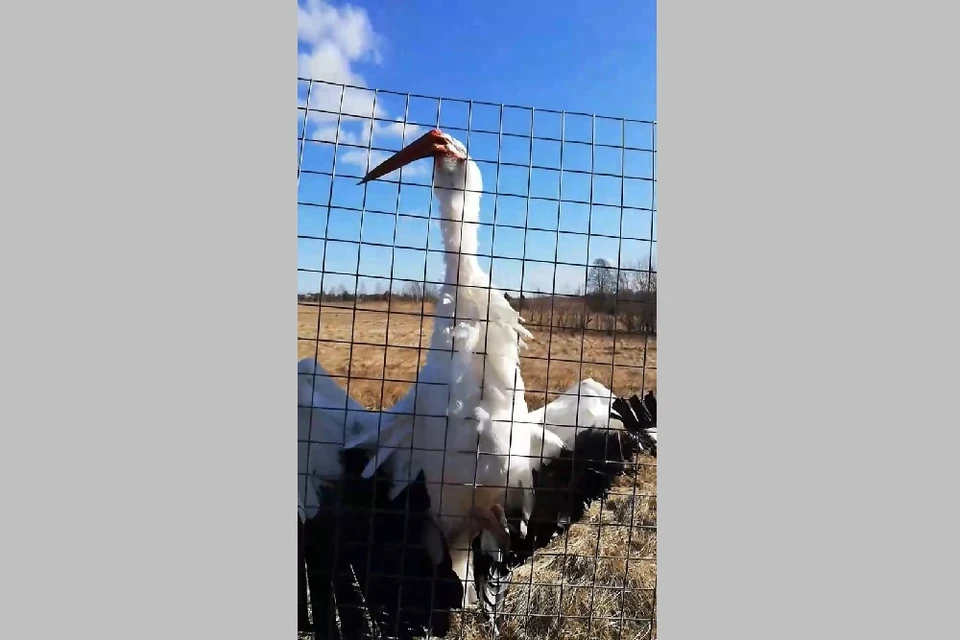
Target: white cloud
[336,40]
[326,130]
[397,128]
[359,158]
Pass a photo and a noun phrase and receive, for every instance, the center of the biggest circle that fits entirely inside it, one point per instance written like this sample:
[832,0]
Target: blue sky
[547,55]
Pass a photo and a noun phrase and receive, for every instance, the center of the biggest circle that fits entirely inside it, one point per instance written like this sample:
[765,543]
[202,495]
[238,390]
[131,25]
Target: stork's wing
[585,405]
[325,415]
[416,423]
[370,562]
[567,484]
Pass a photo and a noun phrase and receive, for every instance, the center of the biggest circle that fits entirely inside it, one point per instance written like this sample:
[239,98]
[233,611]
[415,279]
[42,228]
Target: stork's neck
[460,212]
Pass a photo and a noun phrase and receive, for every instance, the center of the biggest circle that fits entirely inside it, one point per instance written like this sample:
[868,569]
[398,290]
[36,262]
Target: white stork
[464,428]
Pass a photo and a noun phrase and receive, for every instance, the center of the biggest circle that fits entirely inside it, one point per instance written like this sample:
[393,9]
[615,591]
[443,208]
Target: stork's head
[452,168]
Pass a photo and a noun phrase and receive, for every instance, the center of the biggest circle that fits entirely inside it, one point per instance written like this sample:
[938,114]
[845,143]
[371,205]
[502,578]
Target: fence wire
[567,230]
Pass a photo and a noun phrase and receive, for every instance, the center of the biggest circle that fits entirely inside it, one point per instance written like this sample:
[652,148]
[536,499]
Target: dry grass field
[596,582]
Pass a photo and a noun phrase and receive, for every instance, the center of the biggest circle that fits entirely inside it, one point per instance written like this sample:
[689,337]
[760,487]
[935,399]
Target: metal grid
[562,191]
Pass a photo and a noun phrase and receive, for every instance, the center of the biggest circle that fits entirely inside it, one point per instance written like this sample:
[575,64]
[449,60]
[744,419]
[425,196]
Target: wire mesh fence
[566,230]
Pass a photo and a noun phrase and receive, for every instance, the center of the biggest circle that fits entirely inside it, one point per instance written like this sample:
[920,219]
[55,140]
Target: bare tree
[635,280]
[340,293]
[639,278]
[602,277]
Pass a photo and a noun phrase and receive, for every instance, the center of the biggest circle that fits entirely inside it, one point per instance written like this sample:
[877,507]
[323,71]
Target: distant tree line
[621,299]
[409,291]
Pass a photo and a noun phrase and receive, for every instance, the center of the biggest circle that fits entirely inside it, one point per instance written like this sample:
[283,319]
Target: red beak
[429,144]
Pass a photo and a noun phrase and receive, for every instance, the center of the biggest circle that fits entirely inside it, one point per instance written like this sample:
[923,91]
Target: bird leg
[493,520]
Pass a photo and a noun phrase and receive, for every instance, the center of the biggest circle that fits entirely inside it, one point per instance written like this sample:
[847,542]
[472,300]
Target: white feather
[325,415]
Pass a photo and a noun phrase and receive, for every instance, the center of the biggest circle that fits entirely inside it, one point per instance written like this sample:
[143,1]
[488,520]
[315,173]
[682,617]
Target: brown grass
[361,345]
[580,586]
